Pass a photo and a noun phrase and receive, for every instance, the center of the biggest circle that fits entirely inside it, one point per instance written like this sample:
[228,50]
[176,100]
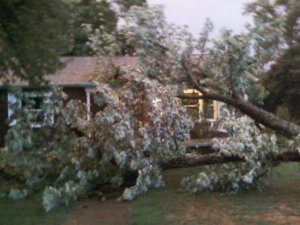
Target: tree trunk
[211,159]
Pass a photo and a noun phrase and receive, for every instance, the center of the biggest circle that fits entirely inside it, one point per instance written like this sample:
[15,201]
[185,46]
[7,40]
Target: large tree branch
[217,158]
[191,76]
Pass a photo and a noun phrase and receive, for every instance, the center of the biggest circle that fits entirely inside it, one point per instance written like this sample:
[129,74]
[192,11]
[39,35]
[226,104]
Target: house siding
[75,93]
[80,94]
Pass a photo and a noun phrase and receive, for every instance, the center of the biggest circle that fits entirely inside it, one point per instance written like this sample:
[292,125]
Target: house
[76,81]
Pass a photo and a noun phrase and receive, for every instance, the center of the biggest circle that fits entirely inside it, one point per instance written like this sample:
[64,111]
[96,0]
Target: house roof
[81,71]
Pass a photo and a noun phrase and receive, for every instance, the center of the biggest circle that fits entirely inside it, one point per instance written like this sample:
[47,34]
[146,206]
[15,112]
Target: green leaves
[87,16]
[17,194]
[53,197]
[141,124]
[247,142]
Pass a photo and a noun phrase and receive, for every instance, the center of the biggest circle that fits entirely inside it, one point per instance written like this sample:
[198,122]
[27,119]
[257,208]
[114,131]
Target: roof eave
[70,85]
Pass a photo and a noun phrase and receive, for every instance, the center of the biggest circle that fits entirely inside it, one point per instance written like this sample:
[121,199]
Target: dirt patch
[95,212]
[281,215]
[196,213]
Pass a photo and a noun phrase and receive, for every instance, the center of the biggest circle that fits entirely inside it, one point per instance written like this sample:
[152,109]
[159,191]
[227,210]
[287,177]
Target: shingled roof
[81,70]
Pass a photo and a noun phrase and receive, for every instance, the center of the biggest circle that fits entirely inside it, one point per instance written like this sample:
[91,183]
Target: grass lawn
[278,204]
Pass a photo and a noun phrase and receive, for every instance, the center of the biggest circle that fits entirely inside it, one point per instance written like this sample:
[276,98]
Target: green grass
[278,204]
[29,211]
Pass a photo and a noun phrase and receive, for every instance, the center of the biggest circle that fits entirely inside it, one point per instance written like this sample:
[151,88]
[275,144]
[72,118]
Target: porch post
[88,104]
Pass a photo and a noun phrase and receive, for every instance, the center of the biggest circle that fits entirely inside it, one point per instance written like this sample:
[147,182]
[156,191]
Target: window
[34,104]
[192,105]
[208,109]
[197,108]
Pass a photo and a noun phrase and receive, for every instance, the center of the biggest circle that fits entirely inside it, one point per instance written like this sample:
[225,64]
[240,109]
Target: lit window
[208,109]
[192,105]
[199,107]
[156,101]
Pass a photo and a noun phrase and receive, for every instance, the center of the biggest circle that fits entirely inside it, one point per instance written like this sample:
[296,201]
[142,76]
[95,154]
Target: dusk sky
[223,13]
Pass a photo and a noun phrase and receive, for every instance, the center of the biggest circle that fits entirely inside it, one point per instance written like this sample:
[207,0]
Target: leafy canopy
[32,37]
[283,80]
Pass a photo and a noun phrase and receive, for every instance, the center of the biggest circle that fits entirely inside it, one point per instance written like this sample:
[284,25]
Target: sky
[223,13]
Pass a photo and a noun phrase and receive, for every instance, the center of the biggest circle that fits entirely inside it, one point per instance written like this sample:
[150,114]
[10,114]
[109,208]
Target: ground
[93,212]
[278,204]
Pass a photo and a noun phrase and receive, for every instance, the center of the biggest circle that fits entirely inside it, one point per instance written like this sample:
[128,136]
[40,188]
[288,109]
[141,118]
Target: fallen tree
[227,69]
[73,156]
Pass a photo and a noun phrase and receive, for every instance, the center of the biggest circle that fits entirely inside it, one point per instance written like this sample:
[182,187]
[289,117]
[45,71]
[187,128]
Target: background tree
[283,80]
[94,13]
[32,37]
[34,34]
[125,5]
[103,15]
[283,84]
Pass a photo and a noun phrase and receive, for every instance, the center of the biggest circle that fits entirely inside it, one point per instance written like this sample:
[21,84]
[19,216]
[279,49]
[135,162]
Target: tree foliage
[137,128]
[125,5]
[246,142]
[94,13]
[225,69]
[282,81]
[97,15]
[32,37]
[229,66]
